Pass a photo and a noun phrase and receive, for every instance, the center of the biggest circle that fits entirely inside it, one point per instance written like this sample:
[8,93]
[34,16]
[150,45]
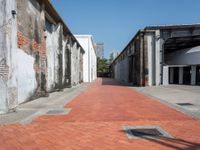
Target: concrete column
[142,60]
[150,60]
[8,56]
[158,58]
[161,60]
[181,75]
[193,75]
[171,75]
[165,75]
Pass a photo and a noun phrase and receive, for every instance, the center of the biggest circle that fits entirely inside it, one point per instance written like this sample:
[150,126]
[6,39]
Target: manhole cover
[184,104]
[135,132]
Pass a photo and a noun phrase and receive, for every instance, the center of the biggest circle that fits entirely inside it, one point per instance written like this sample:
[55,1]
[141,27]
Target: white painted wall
[26,76]
[165,75]
[52,59]
[86,61]
[93,62]
[151,59]
[158,57]
[154,46]
[64,59]
[89,58]
[75,64]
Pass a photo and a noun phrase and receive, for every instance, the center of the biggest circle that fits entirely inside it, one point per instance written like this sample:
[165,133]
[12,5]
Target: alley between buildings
[96,122]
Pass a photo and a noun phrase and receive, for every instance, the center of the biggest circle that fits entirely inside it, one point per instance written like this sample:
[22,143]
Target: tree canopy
[102,65]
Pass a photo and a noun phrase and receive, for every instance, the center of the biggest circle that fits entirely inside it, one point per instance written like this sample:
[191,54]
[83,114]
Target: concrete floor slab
[174,94]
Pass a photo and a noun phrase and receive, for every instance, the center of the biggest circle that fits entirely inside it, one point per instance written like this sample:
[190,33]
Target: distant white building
[89,58]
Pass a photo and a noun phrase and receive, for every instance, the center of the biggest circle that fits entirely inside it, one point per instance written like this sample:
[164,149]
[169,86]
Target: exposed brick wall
[37,50]
[32,40]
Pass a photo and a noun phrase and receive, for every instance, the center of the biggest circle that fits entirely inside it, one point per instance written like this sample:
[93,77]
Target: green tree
[102,65]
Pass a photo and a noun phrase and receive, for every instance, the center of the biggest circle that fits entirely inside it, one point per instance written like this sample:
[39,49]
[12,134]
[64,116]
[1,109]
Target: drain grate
[58,112]
[184,104]
[154,132]
[145,132]
[55,112]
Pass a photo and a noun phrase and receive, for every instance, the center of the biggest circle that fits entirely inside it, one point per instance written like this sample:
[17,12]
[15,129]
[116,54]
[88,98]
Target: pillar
[181,75]
[165,75]
[8,56]
[193,75]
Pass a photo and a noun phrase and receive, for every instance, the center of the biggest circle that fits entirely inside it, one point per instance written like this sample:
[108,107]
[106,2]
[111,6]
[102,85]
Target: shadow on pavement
[178,144]
[111,81]
[174,143]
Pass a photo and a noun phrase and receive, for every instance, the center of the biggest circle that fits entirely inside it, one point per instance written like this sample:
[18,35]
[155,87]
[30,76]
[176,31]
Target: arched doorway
[68,67]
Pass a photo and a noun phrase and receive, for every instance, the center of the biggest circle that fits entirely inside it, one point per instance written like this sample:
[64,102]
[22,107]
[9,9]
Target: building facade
[99,47]
[89,58]
[161,55]
[38,53]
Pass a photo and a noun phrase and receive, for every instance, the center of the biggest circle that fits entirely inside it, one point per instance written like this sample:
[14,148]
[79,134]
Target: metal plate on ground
[184,104]
[145,132]
[57,112]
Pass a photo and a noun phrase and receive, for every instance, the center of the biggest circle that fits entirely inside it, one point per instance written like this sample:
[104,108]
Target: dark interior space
[187,75]
[131,69]
[198,75]
[175,76]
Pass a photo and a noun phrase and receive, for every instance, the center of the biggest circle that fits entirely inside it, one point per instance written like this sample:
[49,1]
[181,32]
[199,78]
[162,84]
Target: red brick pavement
[96,120]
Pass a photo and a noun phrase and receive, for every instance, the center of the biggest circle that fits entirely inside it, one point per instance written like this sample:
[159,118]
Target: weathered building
[89,57]
[161,55]
[38,53]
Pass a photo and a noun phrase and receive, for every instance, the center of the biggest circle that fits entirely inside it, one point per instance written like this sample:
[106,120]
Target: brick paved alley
[96,122]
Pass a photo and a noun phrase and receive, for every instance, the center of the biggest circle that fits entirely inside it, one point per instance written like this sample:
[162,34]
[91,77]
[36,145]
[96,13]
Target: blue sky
[115,22]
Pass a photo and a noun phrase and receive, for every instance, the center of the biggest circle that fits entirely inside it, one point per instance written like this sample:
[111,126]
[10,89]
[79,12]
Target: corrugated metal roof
[157,27]
[196,25]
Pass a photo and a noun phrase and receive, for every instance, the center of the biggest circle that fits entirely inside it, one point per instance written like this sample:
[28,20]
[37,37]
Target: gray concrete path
[173,95]
[54,104]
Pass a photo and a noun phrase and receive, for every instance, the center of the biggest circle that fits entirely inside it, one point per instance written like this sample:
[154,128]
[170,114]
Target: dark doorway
[198,75]
[136,70]
[176,75]
[131,69]
[187,75]
[68,68]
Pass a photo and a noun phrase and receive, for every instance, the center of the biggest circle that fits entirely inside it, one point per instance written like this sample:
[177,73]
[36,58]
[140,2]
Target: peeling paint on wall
[31,40]
[33,61]
[27,84]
